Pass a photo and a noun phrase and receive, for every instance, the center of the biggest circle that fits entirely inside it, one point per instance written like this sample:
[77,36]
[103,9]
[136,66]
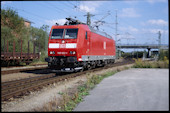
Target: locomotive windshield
[57,33]
[71,33]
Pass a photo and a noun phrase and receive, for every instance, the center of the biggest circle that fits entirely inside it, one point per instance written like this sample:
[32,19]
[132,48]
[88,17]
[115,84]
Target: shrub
[151,64]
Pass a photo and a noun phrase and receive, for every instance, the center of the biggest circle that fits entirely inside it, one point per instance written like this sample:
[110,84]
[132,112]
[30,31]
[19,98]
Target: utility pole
[117,52]
[116,26]
[89,18]
[159,42]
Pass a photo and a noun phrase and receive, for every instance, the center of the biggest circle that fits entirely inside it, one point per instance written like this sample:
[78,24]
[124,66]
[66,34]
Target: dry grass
[151,64]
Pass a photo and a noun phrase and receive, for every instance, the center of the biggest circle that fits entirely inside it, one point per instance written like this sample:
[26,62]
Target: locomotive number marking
[62,45]
[62,52]
[104,45]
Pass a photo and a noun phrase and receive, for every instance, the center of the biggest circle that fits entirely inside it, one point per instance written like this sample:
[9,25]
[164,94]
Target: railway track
[24,86]
[5,71]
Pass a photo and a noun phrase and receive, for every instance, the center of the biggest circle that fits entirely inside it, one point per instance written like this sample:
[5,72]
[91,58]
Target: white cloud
[154,22]
[89,6]
[156,1]
[128,29]
[53,22]
[155,31]
[130,2]
[6,2]
[126,36]
[86,8]
[132,29]
[129,12]
[158,22]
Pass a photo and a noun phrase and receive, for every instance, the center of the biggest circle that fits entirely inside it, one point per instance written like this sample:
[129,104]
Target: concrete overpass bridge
[143,46]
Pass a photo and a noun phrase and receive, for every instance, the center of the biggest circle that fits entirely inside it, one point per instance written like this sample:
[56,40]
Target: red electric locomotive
[77,46]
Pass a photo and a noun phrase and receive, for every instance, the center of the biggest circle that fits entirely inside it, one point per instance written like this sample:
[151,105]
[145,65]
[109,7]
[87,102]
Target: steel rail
[9,70]
[9,89]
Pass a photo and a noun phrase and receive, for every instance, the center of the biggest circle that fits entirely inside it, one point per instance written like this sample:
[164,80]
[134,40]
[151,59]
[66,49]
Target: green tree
[40,37]
[13,29]
[164,53]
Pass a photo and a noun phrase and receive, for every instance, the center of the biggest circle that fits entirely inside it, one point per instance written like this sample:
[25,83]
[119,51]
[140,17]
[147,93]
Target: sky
[138,21]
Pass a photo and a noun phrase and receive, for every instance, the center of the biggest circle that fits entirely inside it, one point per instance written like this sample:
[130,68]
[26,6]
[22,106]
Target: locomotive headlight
[72,52]
[63,41]
[52,52]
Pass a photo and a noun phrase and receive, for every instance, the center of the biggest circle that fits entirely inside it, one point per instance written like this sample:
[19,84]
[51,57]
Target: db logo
[62,45]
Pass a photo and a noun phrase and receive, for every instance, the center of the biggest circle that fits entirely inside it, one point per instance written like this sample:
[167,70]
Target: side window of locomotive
[86,35]
[57,33]
[71,33]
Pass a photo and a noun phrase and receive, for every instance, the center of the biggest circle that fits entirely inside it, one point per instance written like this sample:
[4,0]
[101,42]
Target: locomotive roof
[92,30]
[71,21]
[100,32]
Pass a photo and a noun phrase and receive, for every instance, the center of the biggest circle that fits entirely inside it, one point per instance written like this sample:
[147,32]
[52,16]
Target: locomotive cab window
[86,35]
[57,33]
[71,33]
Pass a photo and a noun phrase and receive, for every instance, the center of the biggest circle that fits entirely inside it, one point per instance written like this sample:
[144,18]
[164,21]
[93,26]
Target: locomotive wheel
[82,69]
[105,63]
[93,66]
[89,67]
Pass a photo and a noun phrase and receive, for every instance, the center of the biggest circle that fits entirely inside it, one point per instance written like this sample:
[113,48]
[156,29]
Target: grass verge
[71,96]
[70,102]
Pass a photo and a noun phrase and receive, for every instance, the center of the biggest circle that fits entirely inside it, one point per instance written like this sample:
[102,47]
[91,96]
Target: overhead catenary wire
[70,5]
[30,13]
[52,6]
[40,17]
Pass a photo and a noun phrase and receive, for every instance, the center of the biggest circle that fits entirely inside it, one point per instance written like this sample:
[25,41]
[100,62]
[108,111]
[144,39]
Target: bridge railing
[155,46]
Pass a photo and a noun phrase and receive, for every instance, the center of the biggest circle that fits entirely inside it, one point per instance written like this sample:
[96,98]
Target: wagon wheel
[27,63]
[8,63]
[17,63]
[4,63]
